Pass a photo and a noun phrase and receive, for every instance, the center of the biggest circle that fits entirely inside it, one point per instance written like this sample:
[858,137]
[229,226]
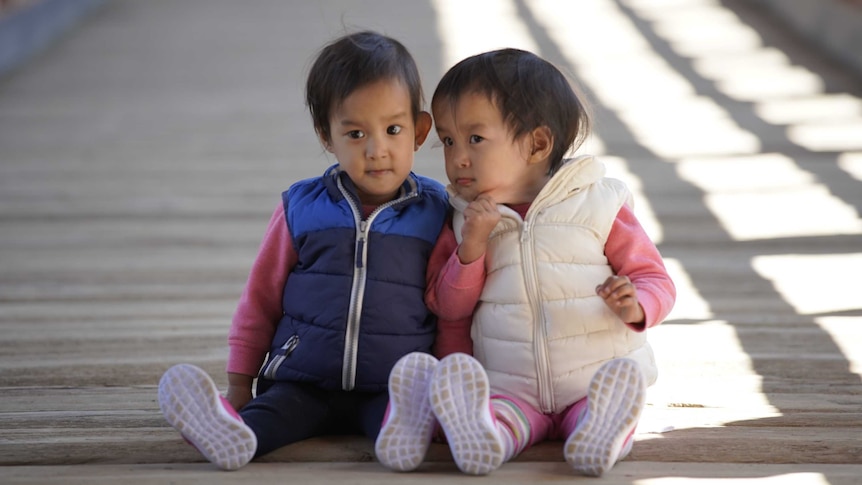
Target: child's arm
[452,293]
[453,336]
[259,309]
[480,218]
[453,288]
[641,292]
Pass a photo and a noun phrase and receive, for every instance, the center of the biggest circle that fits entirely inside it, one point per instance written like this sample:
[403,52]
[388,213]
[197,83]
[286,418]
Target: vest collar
[407,194]
[570,178]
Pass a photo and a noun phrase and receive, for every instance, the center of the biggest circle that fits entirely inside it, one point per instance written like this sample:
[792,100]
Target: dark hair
[351,62]
[529,92]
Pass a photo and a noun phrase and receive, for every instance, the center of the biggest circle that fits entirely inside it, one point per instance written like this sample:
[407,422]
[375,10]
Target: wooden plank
[651,473]
[137,443]
[82,421]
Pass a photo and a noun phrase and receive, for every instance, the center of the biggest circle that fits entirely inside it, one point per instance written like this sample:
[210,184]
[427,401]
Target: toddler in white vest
[544,283]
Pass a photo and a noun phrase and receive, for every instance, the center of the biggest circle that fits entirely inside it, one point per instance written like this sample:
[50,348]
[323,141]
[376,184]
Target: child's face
[481,155]
[373,136]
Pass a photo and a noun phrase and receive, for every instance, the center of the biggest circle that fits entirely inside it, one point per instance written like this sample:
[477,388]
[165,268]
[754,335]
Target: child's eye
[447,142]
[355,134]
[393,130]
[475,139]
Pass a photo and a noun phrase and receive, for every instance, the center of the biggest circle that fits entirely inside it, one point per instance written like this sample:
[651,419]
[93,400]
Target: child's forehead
[466,95]
[468,114]
[390,89]
[382,100]
[464,103]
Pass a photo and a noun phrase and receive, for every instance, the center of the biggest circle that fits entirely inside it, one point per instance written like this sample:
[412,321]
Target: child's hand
[238,390]
[480,218]
[238,396]
[620,296]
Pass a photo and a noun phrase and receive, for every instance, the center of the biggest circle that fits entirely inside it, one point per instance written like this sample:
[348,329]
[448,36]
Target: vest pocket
[278,357]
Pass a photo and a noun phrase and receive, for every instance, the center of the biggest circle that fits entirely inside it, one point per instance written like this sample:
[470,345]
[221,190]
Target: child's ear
[423,127]
[542,144]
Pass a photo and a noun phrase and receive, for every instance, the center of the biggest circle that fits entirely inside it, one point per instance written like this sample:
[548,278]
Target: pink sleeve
[631,253]
[454,289]
[260,306]
[452,293]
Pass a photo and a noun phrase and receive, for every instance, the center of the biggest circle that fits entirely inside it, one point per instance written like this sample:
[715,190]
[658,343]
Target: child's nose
[375,148]
[461,159]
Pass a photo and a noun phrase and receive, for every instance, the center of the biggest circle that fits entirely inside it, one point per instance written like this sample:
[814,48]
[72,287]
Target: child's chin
[467,195]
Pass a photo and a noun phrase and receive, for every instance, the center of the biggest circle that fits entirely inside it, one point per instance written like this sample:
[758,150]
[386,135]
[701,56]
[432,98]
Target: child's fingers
[623,291]
[620,296]
[486,200]
[612,285]
[482,206]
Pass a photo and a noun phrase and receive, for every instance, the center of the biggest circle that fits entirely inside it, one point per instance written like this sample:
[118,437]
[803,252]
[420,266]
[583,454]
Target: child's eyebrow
[397,116]
[473,127]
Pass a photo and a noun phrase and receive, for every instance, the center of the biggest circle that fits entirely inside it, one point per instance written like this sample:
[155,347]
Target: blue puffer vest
[354,303]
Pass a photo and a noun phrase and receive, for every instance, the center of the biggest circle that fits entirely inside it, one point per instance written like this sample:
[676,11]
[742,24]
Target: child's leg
[409,422]
[191,403]
[460,399]
[572,417]
[514,426]
[288,412]
[373,408]
[603,430]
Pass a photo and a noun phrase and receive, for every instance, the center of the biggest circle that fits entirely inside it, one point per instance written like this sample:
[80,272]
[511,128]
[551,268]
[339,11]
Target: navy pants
[287,412]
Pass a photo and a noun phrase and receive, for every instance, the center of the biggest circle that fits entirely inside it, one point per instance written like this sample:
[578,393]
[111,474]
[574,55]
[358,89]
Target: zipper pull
[290,345]
[360,242]
[360,245]
[277,359]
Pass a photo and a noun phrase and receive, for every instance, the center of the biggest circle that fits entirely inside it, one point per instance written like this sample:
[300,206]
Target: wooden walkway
[141,157]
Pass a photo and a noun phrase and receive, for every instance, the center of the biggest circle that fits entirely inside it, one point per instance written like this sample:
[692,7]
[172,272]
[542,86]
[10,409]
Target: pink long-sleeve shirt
[454,288]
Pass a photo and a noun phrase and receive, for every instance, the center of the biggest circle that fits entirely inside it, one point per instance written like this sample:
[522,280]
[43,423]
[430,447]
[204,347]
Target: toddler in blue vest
[336,294]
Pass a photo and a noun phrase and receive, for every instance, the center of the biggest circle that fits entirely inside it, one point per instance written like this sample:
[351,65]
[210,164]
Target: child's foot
[614,404]
[191,403]
[406,432]
[460,398]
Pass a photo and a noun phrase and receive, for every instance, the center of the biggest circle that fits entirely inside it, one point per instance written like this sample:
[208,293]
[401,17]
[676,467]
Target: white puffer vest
[539,329]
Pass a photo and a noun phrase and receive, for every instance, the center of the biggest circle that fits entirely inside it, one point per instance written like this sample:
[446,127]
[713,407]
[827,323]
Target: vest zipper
[357,290]
[283,353]
[540,331]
